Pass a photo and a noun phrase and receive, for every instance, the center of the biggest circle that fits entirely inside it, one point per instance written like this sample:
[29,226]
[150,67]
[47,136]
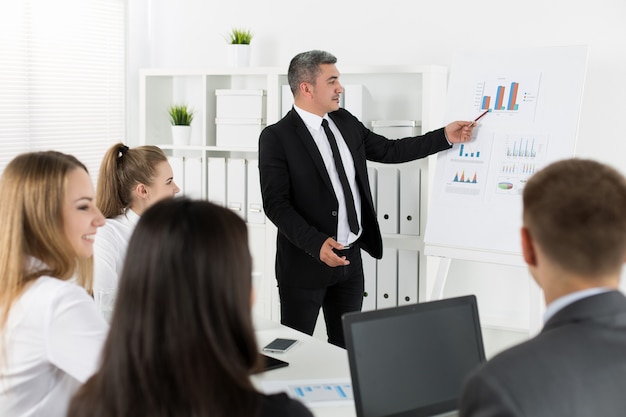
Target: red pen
[476,119]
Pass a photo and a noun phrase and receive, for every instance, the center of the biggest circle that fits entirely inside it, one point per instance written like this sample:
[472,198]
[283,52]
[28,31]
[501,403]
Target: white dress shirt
[53,339]
[313,122]
[562,302]
[110,250]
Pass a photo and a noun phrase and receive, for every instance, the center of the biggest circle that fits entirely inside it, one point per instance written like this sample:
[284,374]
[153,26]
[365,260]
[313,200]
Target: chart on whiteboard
[496,166]
[533,99]
[500,158]
[516,158]
[510,97]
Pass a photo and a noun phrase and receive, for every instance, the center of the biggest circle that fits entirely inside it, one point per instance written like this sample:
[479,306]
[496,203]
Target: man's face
[325,93]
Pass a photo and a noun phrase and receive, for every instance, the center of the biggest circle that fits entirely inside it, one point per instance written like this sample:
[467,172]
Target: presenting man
[315,189]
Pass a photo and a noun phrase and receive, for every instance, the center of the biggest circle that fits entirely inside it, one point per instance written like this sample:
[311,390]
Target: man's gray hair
[305,67]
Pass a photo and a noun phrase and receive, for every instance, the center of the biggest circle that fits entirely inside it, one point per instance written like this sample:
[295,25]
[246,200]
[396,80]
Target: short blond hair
[32,192]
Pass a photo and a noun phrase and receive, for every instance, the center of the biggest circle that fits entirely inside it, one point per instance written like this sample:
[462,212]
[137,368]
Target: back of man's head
[575,210]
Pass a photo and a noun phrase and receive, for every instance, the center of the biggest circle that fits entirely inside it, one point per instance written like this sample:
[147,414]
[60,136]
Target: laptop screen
[412,360]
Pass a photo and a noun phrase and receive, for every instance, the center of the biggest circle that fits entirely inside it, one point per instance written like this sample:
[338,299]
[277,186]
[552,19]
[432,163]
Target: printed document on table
[317,393]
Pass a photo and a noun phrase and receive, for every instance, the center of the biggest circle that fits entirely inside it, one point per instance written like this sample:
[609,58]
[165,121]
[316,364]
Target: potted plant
[240,36]
[239,47]
[180,118]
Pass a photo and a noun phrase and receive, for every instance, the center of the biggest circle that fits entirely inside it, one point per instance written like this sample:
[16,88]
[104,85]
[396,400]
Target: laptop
[411,361]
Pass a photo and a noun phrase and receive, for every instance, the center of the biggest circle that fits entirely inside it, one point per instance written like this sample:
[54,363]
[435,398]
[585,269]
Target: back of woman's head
[32,192]
[121,170]
[181,337]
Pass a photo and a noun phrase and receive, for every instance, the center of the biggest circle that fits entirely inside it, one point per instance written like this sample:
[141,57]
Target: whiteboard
[534,97]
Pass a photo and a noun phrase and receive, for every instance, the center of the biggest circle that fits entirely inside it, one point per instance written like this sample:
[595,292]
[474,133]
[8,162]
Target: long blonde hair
[32,191]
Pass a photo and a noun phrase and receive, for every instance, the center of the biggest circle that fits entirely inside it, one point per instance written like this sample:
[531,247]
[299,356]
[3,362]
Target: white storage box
[238,133]
[240,104]
[396,129]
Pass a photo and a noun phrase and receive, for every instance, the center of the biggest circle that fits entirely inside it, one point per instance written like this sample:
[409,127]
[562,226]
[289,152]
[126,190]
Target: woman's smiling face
[81,217]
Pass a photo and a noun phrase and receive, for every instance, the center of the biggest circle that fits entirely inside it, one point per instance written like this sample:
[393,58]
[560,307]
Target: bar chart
[519,169]
[522,147]
[500,104]
[468,152]
[518,157]
[507,95]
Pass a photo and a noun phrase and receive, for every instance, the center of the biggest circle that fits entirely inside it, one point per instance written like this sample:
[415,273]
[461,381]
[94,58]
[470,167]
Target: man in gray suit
[574,242]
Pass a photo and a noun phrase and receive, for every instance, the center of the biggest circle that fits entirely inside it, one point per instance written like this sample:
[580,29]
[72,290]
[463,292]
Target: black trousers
[299,307]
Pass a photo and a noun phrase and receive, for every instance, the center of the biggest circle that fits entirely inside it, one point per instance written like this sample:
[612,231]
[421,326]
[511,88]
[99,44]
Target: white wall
[190,33]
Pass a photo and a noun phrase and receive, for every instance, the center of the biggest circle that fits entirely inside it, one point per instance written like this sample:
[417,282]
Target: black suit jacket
[298,196]
[576,367]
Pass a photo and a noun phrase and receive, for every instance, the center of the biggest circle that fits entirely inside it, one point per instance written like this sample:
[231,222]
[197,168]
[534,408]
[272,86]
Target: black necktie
[347,192]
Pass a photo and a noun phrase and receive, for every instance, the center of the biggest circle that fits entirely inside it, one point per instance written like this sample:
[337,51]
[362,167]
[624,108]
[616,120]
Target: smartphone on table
[279,345]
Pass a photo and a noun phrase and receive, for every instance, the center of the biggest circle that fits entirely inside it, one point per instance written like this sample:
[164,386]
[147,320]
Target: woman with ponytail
[130,181]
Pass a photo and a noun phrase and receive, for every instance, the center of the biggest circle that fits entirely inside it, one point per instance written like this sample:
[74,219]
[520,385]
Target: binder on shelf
[408,276]
[254,212]
[387,279]
[410,194]
[388,199]
[369,274]
[193,178]
[216,172]
[236,185]
[178,170]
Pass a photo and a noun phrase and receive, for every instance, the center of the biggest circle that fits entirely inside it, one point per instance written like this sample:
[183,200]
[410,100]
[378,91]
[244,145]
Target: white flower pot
[239,55]
[181,135]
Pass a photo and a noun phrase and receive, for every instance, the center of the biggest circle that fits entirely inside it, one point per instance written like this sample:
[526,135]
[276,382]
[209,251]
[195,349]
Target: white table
[310,359]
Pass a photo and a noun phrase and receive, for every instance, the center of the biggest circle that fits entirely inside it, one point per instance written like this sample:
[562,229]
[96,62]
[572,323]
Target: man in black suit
[574,242]
[320,202]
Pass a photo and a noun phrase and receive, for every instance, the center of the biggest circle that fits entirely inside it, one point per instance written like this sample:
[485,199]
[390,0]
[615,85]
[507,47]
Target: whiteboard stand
[434,289]
[486,177]
[440,279]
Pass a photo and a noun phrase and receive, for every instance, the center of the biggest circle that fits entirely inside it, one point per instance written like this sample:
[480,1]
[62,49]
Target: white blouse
[110,250]
[53,339]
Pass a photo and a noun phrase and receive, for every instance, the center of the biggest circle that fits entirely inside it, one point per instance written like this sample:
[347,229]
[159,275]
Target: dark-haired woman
[182,341]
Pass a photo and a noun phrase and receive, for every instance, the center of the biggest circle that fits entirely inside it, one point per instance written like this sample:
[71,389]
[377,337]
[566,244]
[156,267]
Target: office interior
[190,34]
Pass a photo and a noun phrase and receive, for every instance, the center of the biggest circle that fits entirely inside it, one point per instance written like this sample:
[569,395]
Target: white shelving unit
[388,93]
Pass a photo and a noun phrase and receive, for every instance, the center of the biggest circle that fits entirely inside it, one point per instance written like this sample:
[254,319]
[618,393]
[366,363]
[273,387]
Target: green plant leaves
[240,36]
[180,115]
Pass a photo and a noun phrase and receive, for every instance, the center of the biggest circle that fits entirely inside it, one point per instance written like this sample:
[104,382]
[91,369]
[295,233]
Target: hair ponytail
[121,170]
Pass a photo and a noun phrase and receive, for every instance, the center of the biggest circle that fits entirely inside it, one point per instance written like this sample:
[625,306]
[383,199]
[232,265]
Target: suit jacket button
[333,213]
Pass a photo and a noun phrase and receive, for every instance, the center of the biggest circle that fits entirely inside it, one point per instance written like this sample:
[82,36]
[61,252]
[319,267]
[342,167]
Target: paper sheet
[316,393]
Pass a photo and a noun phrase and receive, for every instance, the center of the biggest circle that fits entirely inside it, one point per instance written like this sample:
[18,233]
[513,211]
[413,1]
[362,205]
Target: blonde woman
[51,333]
[130,181]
